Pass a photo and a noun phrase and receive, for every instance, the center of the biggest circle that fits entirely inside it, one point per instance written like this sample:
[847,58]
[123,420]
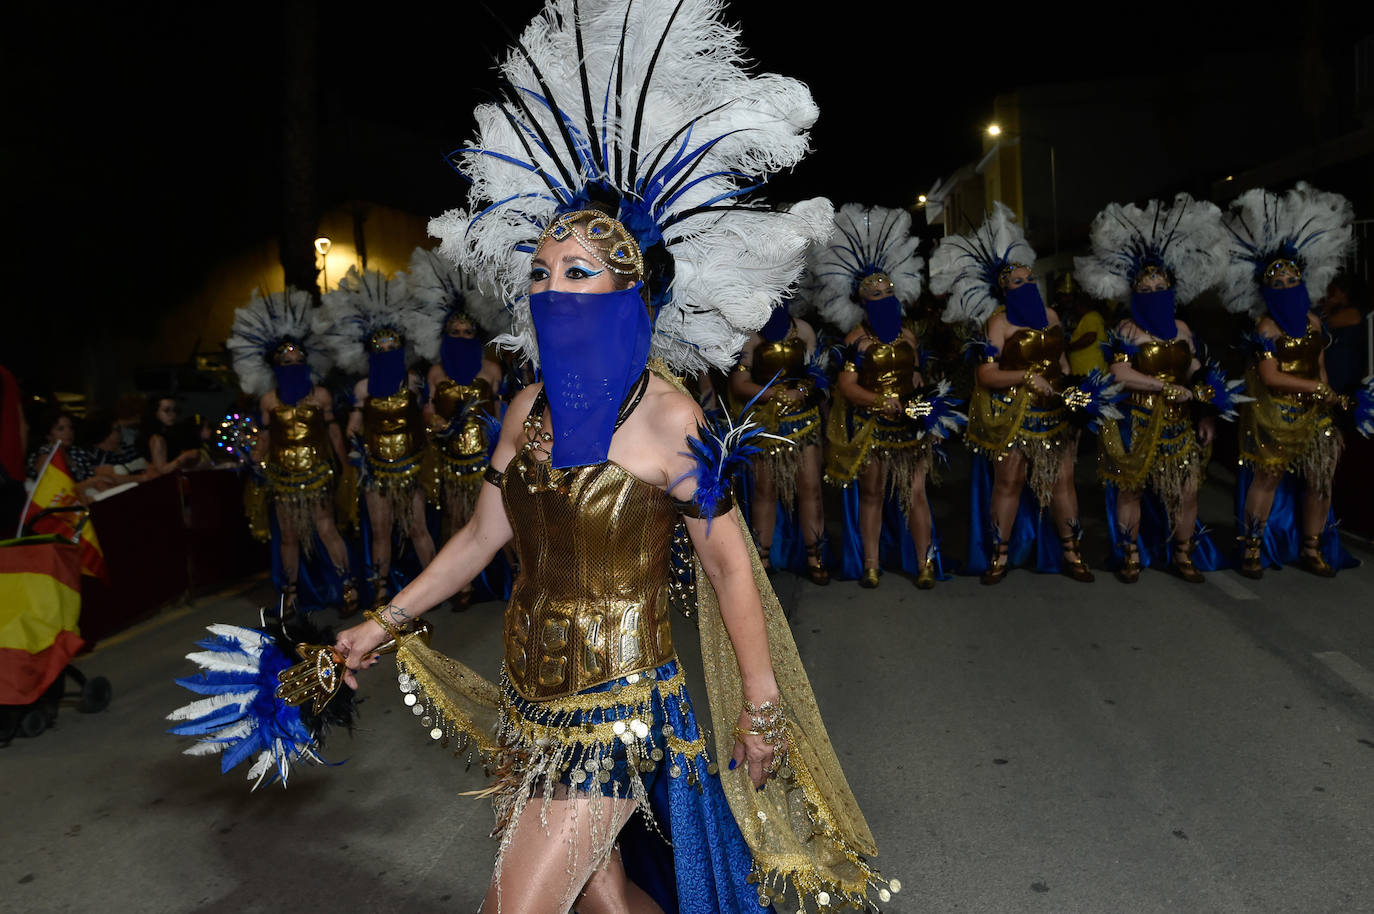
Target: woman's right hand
[1041,386]
[358,648]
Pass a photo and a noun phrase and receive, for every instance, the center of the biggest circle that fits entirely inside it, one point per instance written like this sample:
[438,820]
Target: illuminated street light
[994,130]
[322,246]
[921,200]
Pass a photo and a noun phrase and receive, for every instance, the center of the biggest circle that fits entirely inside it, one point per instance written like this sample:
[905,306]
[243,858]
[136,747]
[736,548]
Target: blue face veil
[1025,307]
[885,317]
[592,349]
[1153,312]
[461,357]
[386,372]
[779,323]
[293,382]
[1289,307]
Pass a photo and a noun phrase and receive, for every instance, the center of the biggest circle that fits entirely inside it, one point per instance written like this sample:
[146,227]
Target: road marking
[1358,677]
[1228,585]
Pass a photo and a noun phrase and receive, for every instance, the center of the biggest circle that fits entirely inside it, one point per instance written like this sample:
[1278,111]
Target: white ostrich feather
[1306,225]
[250,640]
[967,267]
[1185,239]
[261,326]
[364,303]
[865,240]
[660,117]
[440,289]
[203,706]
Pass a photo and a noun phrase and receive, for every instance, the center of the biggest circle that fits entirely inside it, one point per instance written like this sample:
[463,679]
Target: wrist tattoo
[396,614]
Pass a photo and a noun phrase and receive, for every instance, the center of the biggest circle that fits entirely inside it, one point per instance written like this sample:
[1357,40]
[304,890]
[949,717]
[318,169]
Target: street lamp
[322,246]
[995,131]
[921,200]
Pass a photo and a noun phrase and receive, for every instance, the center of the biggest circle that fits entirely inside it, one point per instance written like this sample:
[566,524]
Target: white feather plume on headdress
[969,267]
[656,115]
[866,240]
[364,303]
[440,289]
[264,324]
[1308,226]
[1185,240]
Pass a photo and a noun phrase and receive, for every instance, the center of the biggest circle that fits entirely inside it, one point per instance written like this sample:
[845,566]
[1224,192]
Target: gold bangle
[374,616]
[1030,376]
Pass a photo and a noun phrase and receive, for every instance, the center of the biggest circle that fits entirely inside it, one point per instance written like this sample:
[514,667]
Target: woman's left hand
[753,751]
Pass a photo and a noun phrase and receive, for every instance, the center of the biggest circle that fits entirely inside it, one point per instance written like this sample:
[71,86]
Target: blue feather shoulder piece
[720,451]
[980,349]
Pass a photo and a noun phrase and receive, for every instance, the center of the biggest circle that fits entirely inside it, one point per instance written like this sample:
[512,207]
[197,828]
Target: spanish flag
[55,492]
[40,602]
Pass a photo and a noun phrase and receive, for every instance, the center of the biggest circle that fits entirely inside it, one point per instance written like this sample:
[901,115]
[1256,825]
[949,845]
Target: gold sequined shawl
[992,429]
[845,453]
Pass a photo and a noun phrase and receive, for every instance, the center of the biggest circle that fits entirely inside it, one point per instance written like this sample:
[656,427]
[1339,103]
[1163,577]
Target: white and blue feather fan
[866,240]
[645,107]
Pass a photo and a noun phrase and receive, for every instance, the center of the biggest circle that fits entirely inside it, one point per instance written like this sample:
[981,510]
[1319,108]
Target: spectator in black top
[172,445]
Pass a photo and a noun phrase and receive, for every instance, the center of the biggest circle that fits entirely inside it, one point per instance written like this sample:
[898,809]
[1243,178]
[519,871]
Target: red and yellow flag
[40,602]
[56,490]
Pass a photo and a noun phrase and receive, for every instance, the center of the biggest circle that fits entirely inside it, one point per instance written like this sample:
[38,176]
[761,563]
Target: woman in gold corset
[299,446]
[868,273]
[1281,245]
[1155,256]
[460,414]
[788,471]
[365,323]
[1019,428]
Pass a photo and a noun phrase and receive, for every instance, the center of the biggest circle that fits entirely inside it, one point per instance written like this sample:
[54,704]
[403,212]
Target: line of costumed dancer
[611,203]
[405,466]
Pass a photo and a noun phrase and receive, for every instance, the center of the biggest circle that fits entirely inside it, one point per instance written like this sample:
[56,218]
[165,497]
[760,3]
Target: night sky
[142,140]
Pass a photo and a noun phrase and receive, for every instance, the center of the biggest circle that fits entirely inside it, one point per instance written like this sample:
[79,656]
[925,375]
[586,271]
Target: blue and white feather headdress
[646,108]
[365,303]
[1185,240]
[261,327]
[441,290]
[969,267]
[866,240]
[1309,227]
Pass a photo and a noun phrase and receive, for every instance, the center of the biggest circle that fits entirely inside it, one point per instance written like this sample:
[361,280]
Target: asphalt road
[1040,746]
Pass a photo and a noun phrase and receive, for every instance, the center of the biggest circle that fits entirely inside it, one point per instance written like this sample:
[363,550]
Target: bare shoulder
[806,331]
[669,409]
[1053,316]
[520,404]
[359,393]
[1268,327]
[855,335]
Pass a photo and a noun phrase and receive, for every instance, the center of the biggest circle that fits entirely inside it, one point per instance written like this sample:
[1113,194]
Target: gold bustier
[299,439]
[449,399]
[591,601]
[1027,348]
[886,368]
[1167,360]
[1298,355]
[391,425]
[786,356]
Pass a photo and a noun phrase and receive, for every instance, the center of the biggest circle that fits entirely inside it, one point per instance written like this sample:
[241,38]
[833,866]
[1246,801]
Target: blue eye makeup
[582,273]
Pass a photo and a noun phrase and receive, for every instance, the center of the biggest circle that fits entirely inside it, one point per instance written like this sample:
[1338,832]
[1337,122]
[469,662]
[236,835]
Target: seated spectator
[128,415]
[98,437]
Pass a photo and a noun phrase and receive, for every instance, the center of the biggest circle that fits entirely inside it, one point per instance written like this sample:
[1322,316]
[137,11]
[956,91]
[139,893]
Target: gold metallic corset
[449,398]
[786,356]
[391,425]
[886,368]
[1168,360]
[299,439]
[1298,355]
[591,601]
[1028,348]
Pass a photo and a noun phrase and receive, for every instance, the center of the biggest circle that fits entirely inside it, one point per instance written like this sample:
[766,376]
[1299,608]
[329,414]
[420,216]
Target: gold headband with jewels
[1282,265]
[602,236]
[459,317]
[1150,270]
[872,281]
[380,338]
[1005,274]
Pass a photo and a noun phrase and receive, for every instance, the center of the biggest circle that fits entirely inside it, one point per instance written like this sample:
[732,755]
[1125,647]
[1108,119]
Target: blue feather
[720,451]
[1226,394]
[1095,397]
[1364,408]
[936,412]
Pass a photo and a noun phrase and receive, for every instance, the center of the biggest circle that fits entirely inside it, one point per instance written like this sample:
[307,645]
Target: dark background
[141,141]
